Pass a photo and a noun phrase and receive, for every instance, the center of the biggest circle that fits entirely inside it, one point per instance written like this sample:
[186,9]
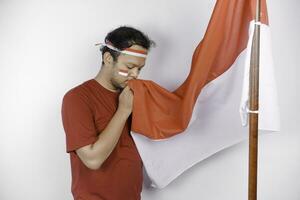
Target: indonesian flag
[208,112]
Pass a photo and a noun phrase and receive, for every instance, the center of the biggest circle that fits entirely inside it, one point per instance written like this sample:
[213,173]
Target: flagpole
[253,108]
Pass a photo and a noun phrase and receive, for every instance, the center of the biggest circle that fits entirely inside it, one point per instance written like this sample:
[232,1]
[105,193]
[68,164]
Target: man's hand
[126,100]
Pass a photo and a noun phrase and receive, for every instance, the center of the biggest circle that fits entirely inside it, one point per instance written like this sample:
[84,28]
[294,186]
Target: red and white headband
[128,51]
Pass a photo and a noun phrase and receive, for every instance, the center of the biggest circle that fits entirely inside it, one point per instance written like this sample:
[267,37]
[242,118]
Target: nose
[134,73]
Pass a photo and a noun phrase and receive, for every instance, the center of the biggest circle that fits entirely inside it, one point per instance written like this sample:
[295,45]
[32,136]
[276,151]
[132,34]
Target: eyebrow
[130,63]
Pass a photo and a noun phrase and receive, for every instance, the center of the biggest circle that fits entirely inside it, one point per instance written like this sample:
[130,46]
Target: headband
[128,51]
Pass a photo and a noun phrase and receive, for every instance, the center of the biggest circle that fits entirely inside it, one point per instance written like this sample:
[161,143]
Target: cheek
[118,77]
[123,73]
[120,70]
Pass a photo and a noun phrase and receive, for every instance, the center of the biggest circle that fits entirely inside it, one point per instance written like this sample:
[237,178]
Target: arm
[94,155]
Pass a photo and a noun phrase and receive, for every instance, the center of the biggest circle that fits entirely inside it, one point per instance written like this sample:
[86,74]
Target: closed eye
[129,67]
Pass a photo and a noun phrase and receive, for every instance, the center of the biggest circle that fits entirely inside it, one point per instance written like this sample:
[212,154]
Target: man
[96,117]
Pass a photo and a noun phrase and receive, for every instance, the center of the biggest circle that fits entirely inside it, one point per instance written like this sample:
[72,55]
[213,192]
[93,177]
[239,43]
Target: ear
[107,59]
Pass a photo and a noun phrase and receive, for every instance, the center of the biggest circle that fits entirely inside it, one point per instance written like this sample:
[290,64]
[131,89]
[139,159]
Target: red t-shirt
[86,111]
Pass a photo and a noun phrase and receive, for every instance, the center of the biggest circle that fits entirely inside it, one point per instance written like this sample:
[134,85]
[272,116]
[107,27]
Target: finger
[128,85]
[126,88]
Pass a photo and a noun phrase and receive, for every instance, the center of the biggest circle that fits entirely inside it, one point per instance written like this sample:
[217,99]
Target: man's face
[127,63]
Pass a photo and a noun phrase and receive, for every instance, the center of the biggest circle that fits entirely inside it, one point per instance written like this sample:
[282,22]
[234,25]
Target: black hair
[124,37]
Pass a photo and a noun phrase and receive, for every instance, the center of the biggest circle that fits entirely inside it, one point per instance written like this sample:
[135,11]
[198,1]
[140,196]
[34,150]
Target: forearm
[109,137]
[94,155]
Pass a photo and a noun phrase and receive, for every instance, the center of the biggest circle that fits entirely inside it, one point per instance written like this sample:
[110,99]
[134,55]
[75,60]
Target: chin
[122,86]
[119,85]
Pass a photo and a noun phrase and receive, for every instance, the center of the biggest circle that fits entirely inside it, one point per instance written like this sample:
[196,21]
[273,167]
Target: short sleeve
[78,122]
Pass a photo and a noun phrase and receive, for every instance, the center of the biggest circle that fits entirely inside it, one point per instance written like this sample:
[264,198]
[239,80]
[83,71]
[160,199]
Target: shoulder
[79,93]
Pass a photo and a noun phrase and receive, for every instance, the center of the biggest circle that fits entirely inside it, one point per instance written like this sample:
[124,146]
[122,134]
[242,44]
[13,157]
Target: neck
[103,79]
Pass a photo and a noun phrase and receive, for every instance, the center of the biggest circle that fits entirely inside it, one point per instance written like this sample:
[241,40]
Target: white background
[46,48]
